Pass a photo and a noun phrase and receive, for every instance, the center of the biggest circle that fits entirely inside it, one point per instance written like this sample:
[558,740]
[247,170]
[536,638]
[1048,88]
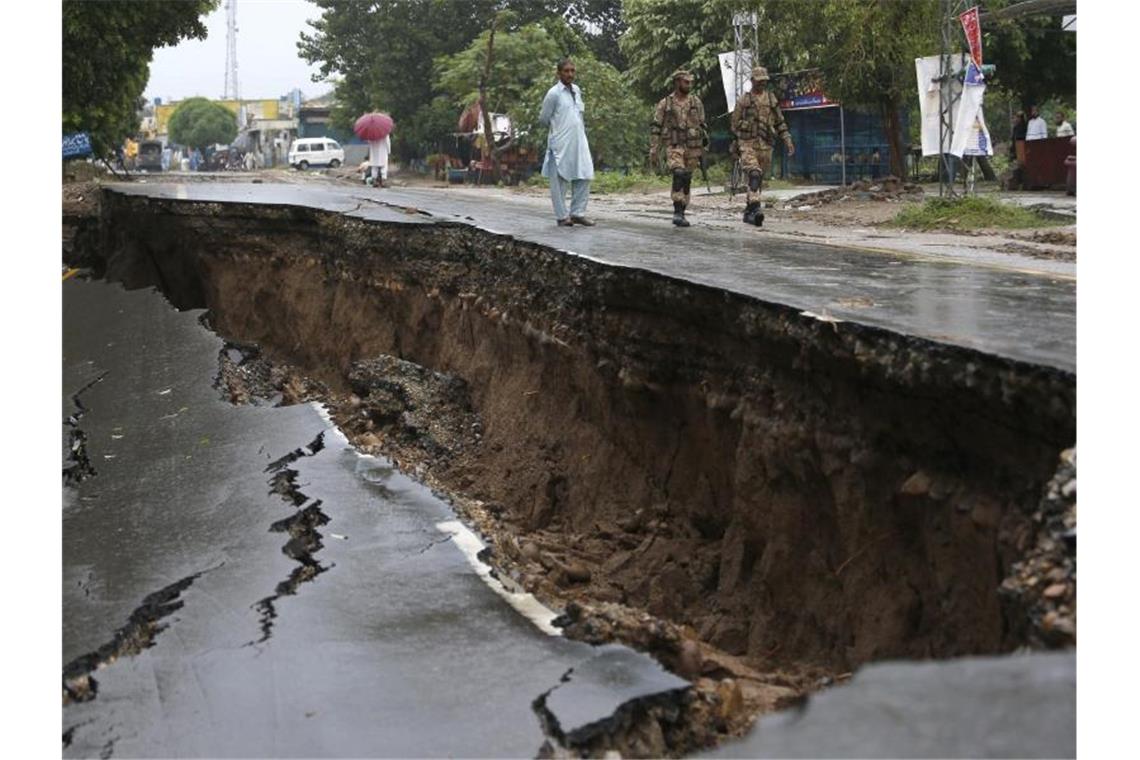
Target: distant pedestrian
[195,159]
[757,122]
[1064,128]
[1036,129]
[1017,133]
[167,154]
[378,151]
[568,159]
[679,125]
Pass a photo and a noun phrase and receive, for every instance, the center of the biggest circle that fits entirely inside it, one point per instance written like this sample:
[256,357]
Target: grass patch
[970,213]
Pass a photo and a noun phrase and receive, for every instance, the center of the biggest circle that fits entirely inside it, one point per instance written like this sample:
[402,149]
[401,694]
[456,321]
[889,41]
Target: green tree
[664,35]
[520,57]
[379,51]
[107,49]
[867,51]
[1036,60]
[198,123]
[523,69]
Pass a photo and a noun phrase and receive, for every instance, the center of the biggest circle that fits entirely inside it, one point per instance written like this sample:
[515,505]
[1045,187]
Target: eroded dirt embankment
[790,493]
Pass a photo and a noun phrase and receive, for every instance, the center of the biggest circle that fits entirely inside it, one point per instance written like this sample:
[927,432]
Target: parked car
[315,151]
[150,156]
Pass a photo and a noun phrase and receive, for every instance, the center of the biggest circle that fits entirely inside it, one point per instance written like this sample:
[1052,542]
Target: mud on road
[761,500]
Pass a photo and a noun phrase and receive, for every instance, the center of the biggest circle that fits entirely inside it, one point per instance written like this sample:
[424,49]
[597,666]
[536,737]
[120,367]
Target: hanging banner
[973,29]
[800,89]
[735,77]
[77,145]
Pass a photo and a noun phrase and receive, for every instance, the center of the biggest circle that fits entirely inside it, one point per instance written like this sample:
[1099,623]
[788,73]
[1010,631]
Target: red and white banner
[973,28]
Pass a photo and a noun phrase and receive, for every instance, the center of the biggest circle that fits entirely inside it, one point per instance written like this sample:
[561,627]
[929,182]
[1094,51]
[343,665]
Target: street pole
[842,148]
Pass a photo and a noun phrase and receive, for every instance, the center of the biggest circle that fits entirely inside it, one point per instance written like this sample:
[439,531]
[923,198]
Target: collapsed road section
[728,482]
[399,649]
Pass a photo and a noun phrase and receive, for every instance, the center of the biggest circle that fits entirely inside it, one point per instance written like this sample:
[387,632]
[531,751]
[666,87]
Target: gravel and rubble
[1041,588]
[888,190]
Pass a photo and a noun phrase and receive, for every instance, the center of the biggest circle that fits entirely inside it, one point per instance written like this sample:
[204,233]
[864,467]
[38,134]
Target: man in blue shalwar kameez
[568,160]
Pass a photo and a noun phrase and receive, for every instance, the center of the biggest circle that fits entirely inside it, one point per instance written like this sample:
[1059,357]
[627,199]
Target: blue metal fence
[820,151]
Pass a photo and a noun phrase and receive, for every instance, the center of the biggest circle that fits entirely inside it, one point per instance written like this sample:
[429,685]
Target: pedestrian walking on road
[568,160]
[378,151]
[757,122]
[679,125]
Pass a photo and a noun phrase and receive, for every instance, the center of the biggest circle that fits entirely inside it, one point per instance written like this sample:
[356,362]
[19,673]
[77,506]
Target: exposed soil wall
[794,490]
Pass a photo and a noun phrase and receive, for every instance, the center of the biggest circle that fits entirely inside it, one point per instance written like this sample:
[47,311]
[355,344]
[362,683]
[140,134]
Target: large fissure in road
[787,491]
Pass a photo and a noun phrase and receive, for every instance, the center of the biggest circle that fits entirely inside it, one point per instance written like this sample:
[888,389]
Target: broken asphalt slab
[1026,316]
[1013,706]
[590,696]
[379,638]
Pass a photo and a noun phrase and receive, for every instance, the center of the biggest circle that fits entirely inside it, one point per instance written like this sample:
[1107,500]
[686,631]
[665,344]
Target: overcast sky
[268,66]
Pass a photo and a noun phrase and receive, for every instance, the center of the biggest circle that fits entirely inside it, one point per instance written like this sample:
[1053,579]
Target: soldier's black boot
[679,214]
[750,212]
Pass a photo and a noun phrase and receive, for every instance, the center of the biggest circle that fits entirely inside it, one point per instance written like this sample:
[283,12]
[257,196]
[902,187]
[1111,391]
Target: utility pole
[948,95]
[231,89]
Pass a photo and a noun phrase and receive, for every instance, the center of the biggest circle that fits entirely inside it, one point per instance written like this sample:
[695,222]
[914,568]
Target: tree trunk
[892,126]
[488,130]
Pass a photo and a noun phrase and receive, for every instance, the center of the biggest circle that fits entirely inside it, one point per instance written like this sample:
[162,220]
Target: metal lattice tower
[231,88]
[746,47]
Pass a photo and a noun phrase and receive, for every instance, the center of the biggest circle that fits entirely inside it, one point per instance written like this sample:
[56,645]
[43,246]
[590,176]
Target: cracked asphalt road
[1022,314]
[397,647]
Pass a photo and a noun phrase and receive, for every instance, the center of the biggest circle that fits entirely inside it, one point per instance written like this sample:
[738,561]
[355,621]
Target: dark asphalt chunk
[590,697]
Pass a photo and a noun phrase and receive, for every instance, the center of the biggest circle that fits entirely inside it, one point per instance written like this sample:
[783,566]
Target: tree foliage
[198,123]
[107,49]
[1036,60]
[379,51]
[524,68]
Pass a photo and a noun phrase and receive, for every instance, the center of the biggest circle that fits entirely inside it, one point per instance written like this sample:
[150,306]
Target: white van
[315,151]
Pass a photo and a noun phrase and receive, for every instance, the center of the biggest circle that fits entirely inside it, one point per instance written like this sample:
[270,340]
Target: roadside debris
[889,189]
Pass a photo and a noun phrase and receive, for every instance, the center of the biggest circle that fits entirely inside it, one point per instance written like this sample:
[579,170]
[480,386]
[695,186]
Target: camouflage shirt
[679,123]
[757,117]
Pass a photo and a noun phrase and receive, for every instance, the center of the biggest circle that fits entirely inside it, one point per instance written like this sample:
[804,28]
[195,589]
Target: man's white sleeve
[548,105]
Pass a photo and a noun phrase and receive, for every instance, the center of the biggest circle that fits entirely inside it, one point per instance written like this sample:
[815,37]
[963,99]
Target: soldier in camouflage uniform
[679,126]
[756,122]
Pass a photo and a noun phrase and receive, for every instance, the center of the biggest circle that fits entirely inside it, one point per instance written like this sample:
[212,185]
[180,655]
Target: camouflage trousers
[755,154]
[687,159]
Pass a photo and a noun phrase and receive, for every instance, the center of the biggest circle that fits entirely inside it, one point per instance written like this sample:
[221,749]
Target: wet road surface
[1023,315]
[238,581]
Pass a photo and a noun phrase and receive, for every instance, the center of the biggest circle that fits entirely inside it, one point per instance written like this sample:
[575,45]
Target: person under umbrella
[376,128]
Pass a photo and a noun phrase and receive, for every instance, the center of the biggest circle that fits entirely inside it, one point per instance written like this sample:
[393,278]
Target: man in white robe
[568,160]
[378,151]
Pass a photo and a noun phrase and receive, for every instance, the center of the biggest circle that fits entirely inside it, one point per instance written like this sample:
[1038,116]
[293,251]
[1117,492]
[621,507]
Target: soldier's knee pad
[754,177]
[680,176]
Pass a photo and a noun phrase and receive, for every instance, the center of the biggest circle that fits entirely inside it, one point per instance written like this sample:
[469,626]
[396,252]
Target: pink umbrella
[373,126]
